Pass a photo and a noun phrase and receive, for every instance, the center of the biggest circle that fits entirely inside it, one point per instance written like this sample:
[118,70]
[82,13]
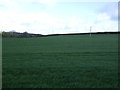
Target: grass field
[75,61]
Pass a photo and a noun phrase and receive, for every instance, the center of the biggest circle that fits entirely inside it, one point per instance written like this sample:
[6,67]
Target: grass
[76,61]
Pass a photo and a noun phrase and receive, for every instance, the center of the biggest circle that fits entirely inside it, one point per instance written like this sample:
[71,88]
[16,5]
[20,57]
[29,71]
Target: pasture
[74,61]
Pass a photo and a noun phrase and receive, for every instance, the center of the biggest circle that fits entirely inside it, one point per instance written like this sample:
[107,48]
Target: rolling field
[74,61]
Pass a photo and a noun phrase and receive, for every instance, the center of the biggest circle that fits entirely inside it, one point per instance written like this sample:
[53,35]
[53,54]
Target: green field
[74,61]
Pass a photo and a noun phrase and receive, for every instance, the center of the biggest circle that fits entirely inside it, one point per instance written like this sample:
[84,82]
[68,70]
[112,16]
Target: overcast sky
[58,16]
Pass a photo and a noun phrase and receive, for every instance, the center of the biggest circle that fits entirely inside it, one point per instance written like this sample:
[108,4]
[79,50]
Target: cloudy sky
[58,16]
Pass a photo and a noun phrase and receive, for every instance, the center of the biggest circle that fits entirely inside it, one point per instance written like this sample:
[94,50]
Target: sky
[58,16]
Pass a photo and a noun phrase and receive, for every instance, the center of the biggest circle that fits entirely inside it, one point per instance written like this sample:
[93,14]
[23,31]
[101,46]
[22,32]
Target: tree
[26,34]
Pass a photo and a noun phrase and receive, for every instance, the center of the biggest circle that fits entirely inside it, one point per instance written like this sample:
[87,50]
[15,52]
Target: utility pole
[90,30]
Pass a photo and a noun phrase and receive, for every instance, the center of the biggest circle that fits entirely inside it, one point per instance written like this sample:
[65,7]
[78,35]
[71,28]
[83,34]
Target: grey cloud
[26,24]
[67,27]
[111,9]
[2,6]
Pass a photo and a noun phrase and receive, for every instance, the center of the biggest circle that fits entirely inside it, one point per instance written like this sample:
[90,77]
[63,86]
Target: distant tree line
[13,34]
[18,35]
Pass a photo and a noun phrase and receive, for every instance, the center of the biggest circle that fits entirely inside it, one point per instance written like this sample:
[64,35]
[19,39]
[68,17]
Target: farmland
[74,61]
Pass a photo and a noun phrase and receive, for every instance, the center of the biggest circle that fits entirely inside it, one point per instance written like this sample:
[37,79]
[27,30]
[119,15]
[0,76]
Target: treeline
[18,35]
[13,34]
